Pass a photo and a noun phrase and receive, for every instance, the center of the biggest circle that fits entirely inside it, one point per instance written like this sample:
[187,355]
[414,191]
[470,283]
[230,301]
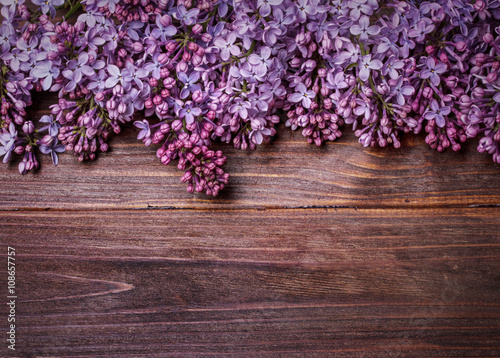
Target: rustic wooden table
[337,251]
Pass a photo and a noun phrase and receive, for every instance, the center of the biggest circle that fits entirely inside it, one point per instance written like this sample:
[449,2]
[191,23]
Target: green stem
[73,9]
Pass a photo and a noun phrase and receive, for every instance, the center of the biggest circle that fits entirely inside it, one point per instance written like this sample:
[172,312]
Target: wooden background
[337,251]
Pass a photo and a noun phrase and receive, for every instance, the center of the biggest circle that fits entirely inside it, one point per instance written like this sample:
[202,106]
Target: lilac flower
[162,32]
[81,66]
[259,130]
[264,6]
[53,126]
[358,7]
[29,47]
[241,107]
[433,70]
[336,82]
[262,61]
[6,38]
[321,26]
[48,6]
[133,74]
[91,17]
[145,130]
[15,57]
[363,28]
[400,91]
[189,83]
[305,8]
[186,17]
[391,65]
[47,72]
[53,148]
[366,64]
[12,3]
[227,46]
[188,112]
[154,67]
[116,76]
[74,78]
[437,113]
[271,33]
[8,142]
[302,95]
[111,36]
[422,28]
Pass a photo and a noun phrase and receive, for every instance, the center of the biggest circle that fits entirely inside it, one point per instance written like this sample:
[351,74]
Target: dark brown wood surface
[337,251]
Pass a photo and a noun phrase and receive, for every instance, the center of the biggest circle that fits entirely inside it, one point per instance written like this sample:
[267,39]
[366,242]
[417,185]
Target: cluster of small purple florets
[197,71]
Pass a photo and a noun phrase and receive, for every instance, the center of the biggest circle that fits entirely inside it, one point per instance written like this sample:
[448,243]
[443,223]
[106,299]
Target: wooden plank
[286,173]
[277,283]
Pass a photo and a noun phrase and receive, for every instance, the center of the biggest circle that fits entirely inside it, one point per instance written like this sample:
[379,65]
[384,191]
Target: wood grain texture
[277,283]
[286,173]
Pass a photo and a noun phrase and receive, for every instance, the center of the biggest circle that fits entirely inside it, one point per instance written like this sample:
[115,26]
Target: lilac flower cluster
[191,72]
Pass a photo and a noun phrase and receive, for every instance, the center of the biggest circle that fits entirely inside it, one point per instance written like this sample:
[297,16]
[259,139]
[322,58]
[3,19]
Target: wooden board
[298,282]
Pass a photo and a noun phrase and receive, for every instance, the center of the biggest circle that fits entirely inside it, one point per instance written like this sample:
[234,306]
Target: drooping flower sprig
[188,73]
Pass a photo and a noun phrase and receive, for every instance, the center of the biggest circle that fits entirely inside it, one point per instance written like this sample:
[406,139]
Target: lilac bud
[181,66]
[460,46]
[465,101]
[176,125]
[480,58]
[122,52]
[443,57]
[206,37]
[428,92]
[322,72]
[118,90]
[28,127]
[295,62]
[163,58]
[430,49]
[451,81]
[122,108]
[165,20]
[19,149]
[382,89]
[46,140]
[198,96]
[492,76]
[479,5]
[488,38]
[197,29]
[111,104]
[478,92]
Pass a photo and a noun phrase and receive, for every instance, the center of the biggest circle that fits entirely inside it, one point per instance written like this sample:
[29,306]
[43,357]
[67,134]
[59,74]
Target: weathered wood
[277,283]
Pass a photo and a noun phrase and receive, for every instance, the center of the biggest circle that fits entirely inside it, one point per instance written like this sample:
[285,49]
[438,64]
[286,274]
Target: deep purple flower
[186,17]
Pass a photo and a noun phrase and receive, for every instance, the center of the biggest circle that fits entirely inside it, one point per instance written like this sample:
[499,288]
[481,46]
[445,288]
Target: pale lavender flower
[363,28]
[302,95]
[48,6]
[227,46]
[366,64]
[433,70]
[437,113]
[8,141]
[52,125]
[400,91]
[53,148]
